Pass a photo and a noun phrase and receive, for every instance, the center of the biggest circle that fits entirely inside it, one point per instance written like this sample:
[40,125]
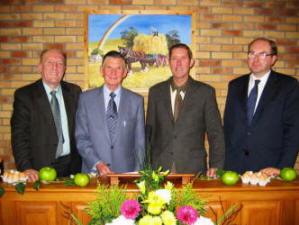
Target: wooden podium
[184,178]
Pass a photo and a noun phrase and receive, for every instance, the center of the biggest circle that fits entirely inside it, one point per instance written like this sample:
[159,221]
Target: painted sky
[98,24]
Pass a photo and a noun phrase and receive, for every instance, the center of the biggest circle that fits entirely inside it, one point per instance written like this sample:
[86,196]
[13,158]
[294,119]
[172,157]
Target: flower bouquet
[157,203]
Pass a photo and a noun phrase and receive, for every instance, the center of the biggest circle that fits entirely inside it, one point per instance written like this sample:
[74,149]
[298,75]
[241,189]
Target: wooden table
[277,203]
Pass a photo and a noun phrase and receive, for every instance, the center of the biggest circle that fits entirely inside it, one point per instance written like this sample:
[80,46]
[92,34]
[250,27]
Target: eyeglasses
[261,55]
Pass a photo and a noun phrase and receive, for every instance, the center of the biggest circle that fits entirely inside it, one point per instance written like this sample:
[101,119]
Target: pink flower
[187,214]
[130,209]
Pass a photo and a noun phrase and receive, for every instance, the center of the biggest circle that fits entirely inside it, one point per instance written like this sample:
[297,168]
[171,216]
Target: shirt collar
[48,89]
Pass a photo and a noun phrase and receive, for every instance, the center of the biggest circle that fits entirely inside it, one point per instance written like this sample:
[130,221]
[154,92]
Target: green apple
[288,174]
[81,179]
[230,177]
[47,173]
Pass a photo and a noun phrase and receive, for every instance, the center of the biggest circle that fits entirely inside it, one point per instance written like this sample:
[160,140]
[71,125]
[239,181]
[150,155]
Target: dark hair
[51,49]
[271,43]
[114,54]
[180,45]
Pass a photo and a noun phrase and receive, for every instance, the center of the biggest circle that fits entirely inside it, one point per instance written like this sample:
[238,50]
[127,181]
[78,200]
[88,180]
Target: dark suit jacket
[33,133]
[183,142]
[272,139]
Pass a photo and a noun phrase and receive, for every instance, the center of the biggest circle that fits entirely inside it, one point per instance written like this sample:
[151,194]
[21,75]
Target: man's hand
[212,172]
[103,169]
[32,175]
[271,171]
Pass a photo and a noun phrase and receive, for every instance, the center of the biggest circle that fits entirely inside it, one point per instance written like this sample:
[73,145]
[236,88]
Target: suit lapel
[243,95]
[101,111]
[270,91]
[165,95]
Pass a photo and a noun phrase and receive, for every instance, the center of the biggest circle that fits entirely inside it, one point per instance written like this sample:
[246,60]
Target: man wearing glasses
[261,118]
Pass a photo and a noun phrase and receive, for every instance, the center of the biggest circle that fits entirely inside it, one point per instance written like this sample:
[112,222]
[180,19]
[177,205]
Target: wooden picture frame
[143,36]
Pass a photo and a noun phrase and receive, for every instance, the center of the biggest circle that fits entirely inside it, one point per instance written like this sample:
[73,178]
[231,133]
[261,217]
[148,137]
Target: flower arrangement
[158,203]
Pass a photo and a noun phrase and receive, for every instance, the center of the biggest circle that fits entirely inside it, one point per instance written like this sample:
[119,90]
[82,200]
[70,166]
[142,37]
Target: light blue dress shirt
[63,115]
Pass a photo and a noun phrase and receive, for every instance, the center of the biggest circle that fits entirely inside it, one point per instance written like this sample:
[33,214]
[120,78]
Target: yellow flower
[169,186]
[156,221]
[155,176]
[146,220]
[155,203]
[168,218]
[141,186]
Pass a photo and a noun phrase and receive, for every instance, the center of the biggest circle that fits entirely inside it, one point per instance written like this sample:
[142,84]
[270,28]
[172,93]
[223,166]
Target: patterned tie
[252,101]
[111,116]
[178,98]
[57,119]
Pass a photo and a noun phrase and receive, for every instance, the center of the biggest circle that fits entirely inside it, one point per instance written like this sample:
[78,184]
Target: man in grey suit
[110,123]
[180,112]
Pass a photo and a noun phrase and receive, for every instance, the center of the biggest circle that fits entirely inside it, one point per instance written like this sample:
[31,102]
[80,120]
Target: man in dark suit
[262,134]
[180,112]
[110,123]
[36,140]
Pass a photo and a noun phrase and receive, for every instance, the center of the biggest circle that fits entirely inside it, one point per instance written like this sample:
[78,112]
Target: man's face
[180,63]
[52,68]
[257,64]
[114,72]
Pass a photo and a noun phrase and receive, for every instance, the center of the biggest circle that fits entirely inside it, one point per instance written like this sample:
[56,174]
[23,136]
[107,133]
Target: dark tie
[177,104]
[252,101]
[111,116]
[57,119]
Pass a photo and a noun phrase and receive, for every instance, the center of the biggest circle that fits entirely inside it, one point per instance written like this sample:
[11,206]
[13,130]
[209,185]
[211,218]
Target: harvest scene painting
[142,39]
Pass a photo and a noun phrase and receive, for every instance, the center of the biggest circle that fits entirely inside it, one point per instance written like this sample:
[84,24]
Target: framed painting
[142,37]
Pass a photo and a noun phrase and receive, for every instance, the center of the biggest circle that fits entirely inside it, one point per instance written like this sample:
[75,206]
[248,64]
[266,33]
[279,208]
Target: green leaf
[2,191]
[76,219]
[36,185]
[219,172]
[226,214]
[20,188]
[69,182]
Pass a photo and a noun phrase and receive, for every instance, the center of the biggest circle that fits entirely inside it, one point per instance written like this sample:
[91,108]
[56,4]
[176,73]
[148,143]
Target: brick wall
[223,30]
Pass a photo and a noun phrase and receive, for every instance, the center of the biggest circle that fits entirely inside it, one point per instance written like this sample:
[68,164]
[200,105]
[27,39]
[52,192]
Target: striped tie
[252,101]
[111,116]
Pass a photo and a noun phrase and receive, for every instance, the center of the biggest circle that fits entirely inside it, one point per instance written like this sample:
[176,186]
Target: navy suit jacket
[272,139]
[92,135]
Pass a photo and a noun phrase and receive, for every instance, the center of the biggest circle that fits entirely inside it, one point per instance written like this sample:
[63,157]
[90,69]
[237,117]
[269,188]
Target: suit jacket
[272,138]
[92,135]
[33,133]
[183,142]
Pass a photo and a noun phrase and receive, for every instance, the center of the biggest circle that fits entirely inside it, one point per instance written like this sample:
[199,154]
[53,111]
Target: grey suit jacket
[92,135]
[183,142]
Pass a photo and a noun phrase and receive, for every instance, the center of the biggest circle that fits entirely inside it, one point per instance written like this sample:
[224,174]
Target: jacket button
[246,153]
[111,147]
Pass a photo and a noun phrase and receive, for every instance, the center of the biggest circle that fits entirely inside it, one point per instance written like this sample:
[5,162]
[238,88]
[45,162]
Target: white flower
[164,194]
[121,220]
[203,221]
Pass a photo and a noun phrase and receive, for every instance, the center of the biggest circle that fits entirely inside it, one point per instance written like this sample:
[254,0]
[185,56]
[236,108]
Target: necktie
[178,98]
[252,101]
[111,116]
[57,119]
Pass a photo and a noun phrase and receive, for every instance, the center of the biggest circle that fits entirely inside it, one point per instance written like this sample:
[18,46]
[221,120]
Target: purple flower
[130,209]
[187,214]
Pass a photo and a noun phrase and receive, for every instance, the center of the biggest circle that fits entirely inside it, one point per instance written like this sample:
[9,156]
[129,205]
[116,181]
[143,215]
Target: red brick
[222,70]
[71,54]
[22,8]
[3,38]
[203,9]
[27,23]
[18,69]
[4,99]
[120,2]
[65,8]
[287,12]
[234,33]
[3,69]
[211,17]
[275,19]
[264,11]
[19,54]
[266,26]
[209,62]
[55,45]
[293,49]
[293,63]
[221,25]
[277,5]
[5,24]
[22,39]
[286,57]
[252,4]
[232,3]
[285,42]
[52,1]
[10,61]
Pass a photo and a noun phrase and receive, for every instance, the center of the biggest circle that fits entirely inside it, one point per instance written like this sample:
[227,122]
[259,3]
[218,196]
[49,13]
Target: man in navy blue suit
[261,118]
